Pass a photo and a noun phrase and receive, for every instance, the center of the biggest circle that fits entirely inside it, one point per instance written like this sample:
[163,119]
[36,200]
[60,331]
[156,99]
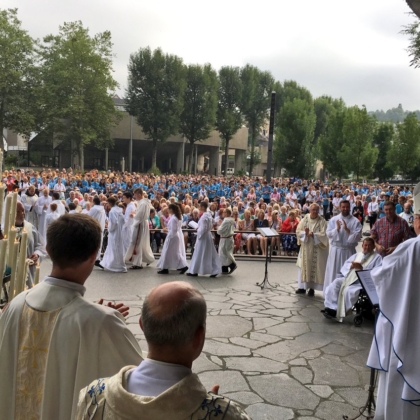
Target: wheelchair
[363,308]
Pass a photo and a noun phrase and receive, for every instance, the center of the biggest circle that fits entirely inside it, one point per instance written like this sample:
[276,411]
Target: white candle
[1,198]
[20,279]
[13,209]
[14,251]
[37,273]
[7,212]
[11,241]
[3,252]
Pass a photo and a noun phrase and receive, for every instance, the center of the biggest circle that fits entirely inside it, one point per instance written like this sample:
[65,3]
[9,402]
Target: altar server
[42,208]
[226,231]
[52,341]
[396,346]
[172,256]
[98,212]
[205,259]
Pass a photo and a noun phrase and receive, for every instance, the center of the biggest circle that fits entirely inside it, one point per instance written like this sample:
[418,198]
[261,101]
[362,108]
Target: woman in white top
[336,204]
[172,256]
[373,209]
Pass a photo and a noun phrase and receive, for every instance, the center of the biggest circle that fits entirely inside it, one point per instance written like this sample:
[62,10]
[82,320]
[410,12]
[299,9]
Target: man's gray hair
[175,328]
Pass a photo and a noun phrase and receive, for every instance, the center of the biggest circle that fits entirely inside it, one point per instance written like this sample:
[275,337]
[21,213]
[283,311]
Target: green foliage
[413,32]
[228,116]
[294,136]
[10,161]
[18,75]
[156,85]
[77,81]
[154,170]
[382,139]
[357,153]
[255,102]
[404,153]
[395,115]
[200,104]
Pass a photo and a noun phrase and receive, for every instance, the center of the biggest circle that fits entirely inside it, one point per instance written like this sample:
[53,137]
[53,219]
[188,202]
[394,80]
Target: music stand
[369,287]
[268,233]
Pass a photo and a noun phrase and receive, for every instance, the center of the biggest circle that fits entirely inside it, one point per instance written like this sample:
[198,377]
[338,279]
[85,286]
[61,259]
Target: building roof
[118,101]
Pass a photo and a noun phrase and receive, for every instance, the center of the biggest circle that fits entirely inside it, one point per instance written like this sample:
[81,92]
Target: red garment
[289,226]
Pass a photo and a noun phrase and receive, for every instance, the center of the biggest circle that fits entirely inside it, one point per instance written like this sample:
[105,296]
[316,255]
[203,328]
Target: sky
[348,49]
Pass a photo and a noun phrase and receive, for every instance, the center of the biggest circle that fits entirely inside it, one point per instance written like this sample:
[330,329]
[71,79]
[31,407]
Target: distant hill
[394,114]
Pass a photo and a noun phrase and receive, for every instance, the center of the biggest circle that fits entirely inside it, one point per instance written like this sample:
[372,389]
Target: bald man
[173,320]
[36,245]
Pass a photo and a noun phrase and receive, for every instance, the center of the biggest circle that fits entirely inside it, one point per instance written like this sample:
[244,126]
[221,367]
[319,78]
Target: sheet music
[369,286]
[268,232]
[193,225]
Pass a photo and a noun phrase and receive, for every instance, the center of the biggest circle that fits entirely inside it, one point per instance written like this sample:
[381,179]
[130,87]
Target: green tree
[294,136]
[358,154]
[229,117]
[404,153]
[77,87]
[17,75]
[382,139]
[200,104]
[156,84]
[413,32]
[255,102]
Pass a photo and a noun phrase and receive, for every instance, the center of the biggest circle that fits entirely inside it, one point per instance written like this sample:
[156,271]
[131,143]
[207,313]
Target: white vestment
[139,250]
[52,344]
[29,203]
[113,259]
[396,345]
[205,259]
[60,207]
[342,245]
[98,213]
[108,399]
[128,226]
[172,256]
[352,286]
[51,217]
[42,213]
[226,231]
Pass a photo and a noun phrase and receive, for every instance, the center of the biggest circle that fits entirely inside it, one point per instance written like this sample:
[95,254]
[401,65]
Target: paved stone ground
[270,350]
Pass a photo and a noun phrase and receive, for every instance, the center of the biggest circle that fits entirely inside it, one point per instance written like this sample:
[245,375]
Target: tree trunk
[414,6]
[251,160]
[191,159]
[154,153]
[81,157]
[226,156]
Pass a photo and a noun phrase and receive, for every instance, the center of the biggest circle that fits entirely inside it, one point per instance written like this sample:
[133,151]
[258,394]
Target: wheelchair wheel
[358,320]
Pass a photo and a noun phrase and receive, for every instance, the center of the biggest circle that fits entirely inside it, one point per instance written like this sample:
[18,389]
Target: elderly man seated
[163,386]
[343,292]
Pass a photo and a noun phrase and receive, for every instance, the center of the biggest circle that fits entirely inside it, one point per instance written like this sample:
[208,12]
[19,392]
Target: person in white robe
[344,232]
[172,256]
[35,250]
[343,292]
[396,345]
[51,217]
[42,208]
[205,259]
[29,200]
[227,231]
[60,206]
[163,386]
[98,213]
[128,220]
[53,342]
[313,254]
[113,259]
[139,250]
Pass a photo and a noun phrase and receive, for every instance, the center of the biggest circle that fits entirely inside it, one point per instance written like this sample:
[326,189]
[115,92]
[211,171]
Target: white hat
[416,197]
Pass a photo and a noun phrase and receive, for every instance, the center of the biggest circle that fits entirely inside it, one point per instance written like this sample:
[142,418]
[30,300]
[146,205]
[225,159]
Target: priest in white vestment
[29,200]
[396,345]
[53,342]
[60,206]
[226,231]
[313,254]
[127,233]
[344,232]
[98,213]
[113,259]
[343,292]
[205,259]
[163,386]
[51,217]
[173,256]
[139,250]
[42,206]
